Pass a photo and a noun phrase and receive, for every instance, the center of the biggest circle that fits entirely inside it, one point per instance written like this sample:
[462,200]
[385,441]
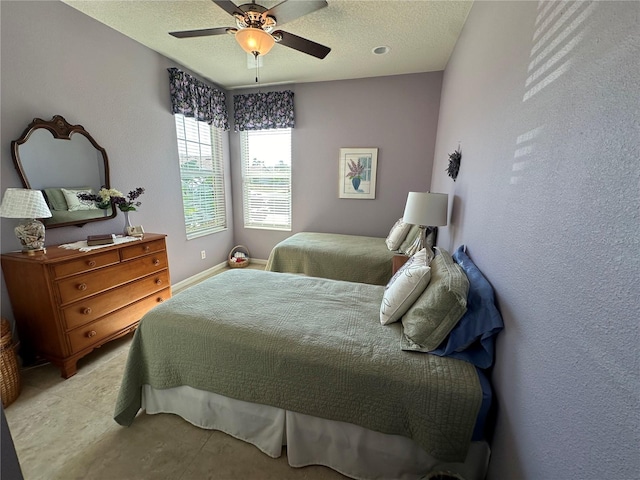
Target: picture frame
[357,170]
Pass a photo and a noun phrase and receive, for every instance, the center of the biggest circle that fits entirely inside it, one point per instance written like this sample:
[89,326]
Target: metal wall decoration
[454,164]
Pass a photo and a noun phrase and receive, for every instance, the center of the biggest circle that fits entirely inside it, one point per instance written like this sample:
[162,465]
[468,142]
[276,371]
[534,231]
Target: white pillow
[405,287]
[74,203]
[397,234]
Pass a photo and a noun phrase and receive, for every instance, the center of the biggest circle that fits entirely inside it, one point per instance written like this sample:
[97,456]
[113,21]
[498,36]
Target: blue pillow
[473,338]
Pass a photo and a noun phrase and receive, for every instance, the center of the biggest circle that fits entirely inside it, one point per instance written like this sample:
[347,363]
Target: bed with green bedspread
[352,258]
[308,345]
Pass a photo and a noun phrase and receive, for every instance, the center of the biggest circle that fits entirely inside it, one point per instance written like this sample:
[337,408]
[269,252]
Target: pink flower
[355,170]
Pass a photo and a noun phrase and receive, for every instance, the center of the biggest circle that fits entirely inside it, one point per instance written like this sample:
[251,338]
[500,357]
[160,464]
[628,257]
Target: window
[266,178]
[202,175]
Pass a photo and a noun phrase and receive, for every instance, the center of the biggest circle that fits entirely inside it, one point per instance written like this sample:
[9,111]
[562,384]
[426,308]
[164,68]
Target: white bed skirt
[347,448]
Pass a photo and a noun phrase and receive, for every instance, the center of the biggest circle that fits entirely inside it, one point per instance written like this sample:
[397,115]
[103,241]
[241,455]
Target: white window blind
[266,178]
[202,175]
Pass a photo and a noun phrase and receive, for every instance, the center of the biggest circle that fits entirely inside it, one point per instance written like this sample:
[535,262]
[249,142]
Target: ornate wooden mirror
[61,159]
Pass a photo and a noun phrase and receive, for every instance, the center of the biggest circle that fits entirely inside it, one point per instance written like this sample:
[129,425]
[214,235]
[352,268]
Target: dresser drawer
[94,333]
[81,286]
[86,264]
[138,250]
[96,306]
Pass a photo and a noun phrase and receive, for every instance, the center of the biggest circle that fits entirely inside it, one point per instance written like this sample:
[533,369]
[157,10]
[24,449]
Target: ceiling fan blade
[286,11]
[200,33]
[302,44]
[228,6]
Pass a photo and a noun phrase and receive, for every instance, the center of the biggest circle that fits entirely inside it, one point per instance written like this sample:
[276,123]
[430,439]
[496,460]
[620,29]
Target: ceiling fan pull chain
[255,56]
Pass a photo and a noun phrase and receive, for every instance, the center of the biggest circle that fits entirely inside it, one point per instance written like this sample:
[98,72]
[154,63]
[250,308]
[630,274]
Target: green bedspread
[351,258]
[308,345]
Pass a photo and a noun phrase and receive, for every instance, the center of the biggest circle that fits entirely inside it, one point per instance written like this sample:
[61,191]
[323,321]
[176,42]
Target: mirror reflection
[63,160]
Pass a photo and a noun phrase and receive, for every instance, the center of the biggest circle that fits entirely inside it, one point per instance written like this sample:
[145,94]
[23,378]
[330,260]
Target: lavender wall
[544,98]
[396,114]
[56,60]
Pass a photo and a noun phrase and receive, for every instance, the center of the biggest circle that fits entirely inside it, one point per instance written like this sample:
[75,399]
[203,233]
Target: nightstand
[398,261]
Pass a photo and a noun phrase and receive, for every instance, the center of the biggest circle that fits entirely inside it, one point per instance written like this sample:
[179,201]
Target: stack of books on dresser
[101,239]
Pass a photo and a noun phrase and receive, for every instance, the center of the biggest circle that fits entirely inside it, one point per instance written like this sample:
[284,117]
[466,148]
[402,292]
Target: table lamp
[27,204]
[425,210]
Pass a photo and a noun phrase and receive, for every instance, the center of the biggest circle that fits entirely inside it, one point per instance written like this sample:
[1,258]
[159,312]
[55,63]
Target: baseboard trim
[209,272]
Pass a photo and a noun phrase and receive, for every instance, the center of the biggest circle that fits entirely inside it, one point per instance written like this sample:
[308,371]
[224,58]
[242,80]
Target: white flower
[107,193]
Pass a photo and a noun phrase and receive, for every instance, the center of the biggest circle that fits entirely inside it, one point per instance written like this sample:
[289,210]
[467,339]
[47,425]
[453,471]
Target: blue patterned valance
[263,111]
[193,98]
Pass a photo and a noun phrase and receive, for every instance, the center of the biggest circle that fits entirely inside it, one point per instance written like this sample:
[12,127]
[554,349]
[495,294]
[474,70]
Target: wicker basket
[9,371]
[239,248]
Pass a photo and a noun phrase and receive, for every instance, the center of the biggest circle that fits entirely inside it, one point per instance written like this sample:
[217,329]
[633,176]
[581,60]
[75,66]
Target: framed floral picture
[357,173]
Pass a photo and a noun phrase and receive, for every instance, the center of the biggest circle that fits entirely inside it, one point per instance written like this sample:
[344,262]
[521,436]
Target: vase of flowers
[125,203]
[355,173]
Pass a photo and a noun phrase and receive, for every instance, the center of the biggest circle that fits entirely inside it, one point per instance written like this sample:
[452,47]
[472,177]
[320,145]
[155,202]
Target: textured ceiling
[421,35]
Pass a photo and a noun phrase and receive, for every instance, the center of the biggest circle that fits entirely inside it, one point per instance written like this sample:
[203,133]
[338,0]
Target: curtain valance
[193,98]
[263,111]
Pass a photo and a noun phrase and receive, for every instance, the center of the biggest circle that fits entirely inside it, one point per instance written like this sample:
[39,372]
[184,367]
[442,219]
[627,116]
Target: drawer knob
[91,263]
[158,281]
[92,333]
[160,299]
[147,248]
[86,311]
[82,286]
[156,262]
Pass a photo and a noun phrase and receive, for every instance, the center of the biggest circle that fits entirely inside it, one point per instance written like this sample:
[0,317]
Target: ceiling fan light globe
[254,40]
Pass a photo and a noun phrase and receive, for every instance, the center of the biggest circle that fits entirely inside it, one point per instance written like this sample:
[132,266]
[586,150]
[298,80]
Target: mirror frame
[61,130]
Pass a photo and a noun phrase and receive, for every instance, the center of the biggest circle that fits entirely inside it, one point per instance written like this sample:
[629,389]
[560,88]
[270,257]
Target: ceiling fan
[255,25]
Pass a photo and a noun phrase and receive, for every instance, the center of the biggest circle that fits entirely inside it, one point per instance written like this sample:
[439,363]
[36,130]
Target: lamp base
[34,251]
[419,242]
[31,236]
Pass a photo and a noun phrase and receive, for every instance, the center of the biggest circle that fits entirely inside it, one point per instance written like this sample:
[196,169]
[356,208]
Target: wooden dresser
[67,303]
